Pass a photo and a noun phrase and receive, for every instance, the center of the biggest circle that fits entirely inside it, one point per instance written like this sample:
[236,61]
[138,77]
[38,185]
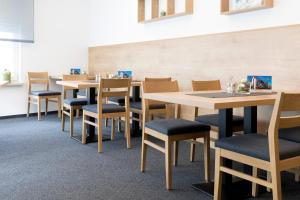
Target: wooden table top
[184,98]
[89,84]
[90,77]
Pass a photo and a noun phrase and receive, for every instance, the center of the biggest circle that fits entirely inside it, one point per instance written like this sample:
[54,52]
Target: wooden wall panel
[273,51]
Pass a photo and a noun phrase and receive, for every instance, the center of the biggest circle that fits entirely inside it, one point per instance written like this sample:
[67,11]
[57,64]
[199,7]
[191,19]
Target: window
[10,59]
[17,18]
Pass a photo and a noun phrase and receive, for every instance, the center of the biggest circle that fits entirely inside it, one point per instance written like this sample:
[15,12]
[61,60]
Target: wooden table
[91,96]
[225,107]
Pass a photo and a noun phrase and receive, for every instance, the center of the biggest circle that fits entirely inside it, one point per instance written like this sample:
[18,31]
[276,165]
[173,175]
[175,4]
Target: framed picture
[262,82]
[125,74]
[244,4]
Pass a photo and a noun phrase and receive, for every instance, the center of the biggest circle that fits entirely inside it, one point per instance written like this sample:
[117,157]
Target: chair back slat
[74,77]
[38,75]
[157,87]
[206,85]
[291,102]
[115,83]
[147,79]
[114,94]
[289,122]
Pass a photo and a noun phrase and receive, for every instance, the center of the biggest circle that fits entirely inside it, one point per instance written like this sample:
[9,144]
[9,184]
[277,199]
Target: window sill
[13,84]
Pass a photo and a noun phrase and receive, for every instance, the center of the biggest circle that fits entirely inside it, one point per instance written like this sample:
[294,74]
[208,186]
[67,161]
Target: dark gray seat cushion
[138,106]
[107,108]
[119,100]
[213,120]
[176,126]
[256,145]
[291,134]
[76,102]
[45,93]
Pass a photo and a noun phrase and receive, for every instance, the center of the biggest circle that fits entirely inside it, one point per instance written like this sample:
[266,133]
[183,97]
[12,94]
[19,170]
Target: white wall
[115,21]
[61,41]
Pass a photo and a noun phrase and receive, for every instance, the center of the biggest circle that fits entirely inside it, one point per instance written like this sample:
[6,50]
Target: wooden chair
[36,97]
[108,88]
[170,131]
[70,105]
[268,153]
[155,109]
[211,119]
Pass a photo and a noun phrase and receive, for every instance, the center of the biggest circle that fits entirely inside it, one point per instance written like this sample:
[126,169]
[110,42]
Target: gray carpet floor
[38,161]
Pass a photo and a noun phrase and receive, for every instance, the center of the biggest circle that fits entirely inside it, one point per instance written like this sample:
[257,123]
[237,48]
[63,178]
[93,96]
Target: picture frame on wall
[245,4]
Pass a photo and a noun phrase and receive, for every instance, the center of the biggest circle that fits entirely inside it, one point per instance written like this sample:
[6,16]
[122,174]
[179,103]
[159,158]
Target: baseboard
[25,115]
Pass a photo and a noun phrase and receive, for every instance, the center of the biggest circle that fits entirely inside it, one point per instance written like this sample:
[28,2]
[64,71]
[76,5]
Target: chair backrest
[285,102]
[72,77]
[38,78]
[147,79]
[206,85]
[159,87]
[114,88]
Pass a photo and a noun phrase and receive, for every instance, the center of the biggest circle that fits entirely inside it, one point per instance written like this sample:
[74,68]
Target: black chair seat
[291,134]
[138,106]
[176,126]
[119,100]
[107,108]
[45,93]
[213,120]
[256,145]
[76,102]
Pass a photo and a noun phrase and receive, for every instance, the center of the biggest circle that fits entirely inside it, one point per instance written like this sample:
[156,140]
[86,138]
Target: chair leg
[46,109]
[59,106]
[28,107]
[71,122]
[192,152]
[218,176]
[254,185]
[39,108]
[113,132]
[127,131]
[175,154]
[207,157]
[63,120]
[144,152]
[269,179]
[106,122]
[99,129]
[119,124]
[83,138]
[168,163]
[276,183]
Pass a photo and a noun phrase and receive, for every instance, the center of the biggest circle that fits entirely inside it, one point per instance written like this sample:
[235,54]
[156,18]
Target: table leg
[225,130]
[135,126]
[91,96]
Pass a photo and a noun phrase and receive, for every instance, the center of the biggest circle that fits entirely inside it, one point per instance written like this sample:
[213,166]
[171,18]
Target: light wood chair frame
[169,141]
[207,85]
[285,102]
[68,109]
[107,88]
[151,112]
[41,78]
